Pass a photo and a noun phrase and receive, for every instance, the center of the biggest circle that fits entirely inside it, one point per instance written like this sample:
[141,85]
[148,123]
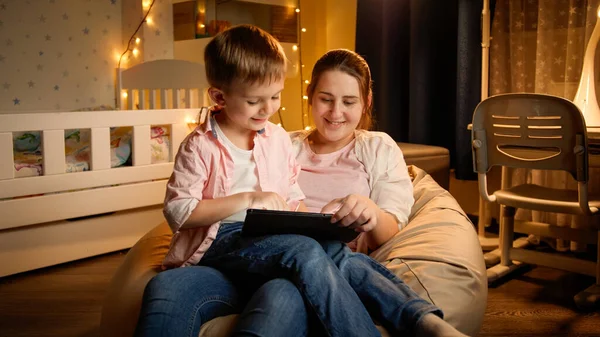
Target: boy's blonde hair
[246,53]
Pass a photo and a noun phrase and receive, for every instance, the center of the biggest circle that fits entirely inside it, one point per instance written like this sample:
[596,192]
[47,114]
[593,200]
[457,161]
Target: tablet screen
[261,222]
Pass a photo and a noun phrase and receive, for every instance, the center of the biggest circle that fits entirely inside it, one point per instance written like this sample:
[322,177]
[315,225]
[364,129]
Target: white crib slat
[7,165]
[100,149]
[53,151]
[141,100]
[163,98]
[188,98]
[178,133]
[152,98]
[141,145]
[130,100]
[176,99]
[199,99]
[19,187]
[28,248]
[53,207]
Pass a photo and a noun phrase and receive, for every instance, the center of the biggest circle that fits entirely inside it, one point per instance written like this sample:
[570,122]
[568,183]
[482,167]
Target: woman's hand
[354,211]
[267,200]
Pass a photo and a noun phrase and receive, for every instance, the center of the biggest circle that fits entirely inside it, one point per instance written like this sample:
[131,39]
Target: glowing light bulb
[303,30]
[278,124]
[305,97]
[124,94]
[283,108]
[294,47]
[135,52]
[306,81]
[307,128]
[149,20]
[137,40]
[297,10]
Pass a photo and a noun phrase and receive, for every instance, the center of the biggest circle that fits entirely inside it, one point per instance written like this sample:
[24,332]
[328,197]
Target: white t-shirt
[245,174]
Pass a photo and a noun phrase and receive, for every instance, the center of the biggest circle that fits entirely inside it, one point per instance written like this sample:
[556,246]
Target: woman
[358,175]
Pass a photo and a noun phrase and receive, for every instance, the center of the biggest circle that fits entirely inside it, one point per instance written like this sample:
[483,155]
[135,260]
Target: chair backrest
[532,131]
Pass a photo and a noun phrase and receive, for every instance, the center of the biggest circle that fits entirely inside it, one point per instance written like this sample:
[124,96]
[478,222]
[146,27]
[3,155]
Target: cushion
[437,254]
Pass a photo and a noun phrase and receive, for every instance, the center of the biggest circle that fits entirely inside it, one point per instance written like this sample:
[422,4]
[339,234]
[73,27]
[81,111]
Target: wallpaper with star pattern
[62,54]
[58,54]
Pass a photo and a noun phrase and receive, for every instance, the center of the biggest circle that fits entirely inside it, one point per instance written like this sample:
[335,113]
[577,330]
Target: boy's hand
[267,200]
[354,211]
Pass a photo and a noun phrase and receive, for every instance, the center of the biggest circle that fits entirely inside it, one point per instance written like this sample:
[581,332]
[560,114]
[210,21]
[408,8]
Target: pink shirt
[204,169]
[329,176]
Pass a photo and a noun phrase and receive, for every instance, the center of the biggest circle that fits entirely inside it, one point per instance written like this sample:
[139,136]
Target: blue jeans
[178,301]
[342,287]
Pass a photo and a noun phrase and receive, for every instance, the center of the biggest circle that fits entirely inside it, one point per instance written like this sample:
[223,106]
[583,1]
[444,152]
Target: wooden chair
[536,131]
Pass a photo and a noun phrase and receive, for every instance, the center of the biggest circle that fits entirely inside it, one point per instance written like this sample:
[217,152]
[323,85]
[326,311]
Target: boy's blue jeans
[342,287]
[178,301]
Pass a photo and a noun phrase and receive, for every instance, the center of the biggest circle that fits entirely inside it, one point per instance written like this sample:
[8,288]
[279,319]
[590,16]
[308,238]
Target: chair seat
[542,198]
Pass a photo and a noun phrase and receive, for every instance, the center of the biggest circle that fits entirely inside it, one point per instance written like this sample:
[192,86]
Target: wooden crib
[58,217]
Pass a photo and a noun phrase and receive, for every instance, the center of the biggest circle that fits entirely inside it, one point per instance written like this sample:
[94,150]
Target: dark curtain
[425,59]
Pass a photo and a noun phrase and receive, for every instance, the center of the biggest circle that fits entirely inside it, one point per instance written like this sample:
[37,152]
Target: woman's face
[337,108]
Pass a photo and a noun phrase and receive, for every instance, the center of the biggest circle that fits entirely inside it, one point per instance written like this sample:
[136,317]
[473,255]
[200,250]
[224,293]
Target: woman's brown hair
[354,65]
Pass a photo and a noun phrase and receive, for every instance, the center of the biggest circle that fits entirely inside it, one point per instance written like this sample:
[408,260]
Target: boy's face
[337,107]
[249,106]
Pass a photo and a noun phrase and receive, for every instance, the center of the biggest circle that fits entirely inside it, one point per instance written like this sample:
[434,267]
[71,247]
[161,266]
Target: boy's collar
[208,126]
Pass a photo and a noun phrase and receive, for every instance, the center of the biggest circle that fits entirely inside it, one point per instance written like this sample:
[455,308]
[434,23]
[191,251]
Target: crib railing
[162,84]
[40,199]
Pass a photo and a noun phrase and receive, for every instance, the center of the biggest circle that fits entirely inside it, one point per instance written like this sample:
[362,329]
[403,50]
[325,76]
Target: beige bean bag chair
[437,254]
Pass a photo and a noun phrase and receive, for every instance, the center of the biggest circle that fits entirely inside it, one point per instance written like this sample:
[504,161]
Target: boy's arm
[209,211]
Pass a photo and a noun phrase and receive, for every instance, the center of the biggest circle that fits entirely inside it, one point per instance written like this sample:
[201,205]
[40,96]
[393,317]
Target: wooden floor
[66,301]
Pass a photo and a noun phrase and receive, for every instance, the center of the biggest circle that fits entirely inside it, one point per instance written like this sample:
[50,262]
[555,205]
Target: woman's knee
[279,298]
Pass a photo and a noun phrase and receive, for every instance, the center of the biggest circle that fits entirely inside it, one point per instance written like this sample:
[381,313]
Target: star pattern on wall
[57,50]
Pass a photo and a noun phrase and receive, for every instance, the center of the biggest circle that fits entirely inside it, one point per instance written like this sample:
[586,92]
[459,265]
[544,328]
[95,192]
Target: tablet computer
[260,222]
